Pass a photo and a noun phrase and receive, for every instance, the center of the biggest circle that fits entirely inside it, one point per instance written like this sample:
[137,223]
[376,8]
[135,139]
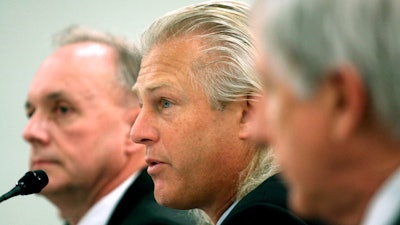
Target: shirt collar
[100,212]
[226,213]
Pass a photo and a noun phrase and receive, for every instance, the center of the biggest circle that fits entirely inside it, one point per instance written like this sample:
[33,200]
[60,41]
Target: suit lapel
[140,187]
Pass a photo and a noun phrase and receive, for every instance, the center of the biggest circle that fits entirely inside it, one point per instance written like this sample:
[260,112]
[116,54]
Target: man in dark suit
[138,207]
[331,69]
[197,87]
[267,201]
[80,108]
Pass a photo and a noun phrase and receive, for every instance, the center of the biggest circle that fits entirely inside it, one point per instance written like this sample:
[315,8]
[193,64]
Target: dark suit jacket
[138,207]
[266,204]
[397,221]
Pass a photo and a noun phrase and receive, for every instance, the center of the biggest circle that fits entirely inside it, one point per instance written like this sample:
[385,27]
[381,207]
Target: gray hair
[128,55]
[225,66]
[308,37]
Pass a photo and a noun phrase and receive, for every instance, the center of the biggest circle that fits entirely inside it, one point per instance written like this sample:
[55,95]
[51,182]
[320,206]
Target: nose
[36,130]
[143,130]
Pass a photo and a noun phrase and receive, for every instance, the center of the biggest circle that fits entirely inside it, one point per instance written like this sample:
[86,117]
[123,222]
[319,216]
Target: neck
[369,165]
[74,202]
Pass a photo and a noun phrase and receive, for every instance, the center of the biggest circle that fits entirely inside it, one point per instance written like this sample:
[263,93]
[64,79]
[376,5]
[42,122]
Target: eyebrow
[155,86]
[152,87]
[50,97]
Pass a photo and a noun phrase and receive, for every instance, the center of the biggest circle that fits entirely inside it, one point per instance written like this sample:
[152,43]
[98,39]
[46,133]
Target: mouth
[152,162]
[41,163]
[154,166]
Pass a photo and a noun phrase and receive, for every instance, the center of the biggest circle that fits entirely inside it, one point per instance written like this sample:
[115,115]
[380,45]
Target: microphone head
[33,182]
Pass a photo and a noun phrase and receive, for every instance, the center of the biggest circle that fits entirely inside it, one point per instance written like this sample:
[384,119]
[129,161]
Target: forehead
[79,69]
[169,64]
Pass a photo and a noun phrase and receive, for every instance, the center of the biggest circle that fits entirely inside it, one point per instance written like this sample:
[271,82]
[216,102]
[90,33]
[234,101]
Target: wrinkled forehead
[169,63]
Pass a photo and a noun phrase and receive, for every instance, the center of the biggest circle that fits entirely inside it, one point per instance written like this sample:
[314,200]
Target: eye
[29,113]
[62,109]
[29,109]
[165,103]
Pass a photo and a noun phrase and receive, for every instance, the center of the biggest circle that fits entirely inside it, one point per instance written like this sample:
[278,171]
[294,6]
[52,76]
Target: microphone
[32,182]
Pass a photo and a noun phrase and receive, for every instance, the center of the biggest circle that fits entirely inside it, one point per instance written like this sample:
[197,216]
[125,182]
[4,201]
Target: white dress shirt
[100,213]
[226,213]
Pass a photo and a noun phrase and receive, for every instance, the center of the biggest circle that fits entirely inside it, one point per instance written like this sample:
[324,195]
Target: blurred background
[26,28]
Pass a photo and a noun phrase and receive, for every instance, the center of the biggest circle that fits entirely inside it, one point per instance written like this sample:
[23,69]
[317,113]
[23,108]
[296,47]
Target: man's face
[193,151]
[300,132]
[77,126]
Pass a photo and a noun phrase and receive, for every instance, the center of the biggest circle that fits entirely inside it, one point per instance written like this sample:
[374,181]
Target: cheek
[285,123]
[92,141]
[275,113]
[179,140]
[190,142]
[301,150]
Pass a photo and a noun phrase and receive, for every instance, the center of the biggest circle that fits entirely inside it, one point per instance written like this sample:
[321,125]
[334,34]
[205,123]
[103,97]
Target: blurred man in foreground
[331,70]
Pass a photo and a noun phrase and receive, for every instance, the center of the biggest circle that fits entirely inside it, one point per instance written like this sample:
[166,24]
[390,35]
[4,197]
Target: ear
[252,120]
[349,100]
